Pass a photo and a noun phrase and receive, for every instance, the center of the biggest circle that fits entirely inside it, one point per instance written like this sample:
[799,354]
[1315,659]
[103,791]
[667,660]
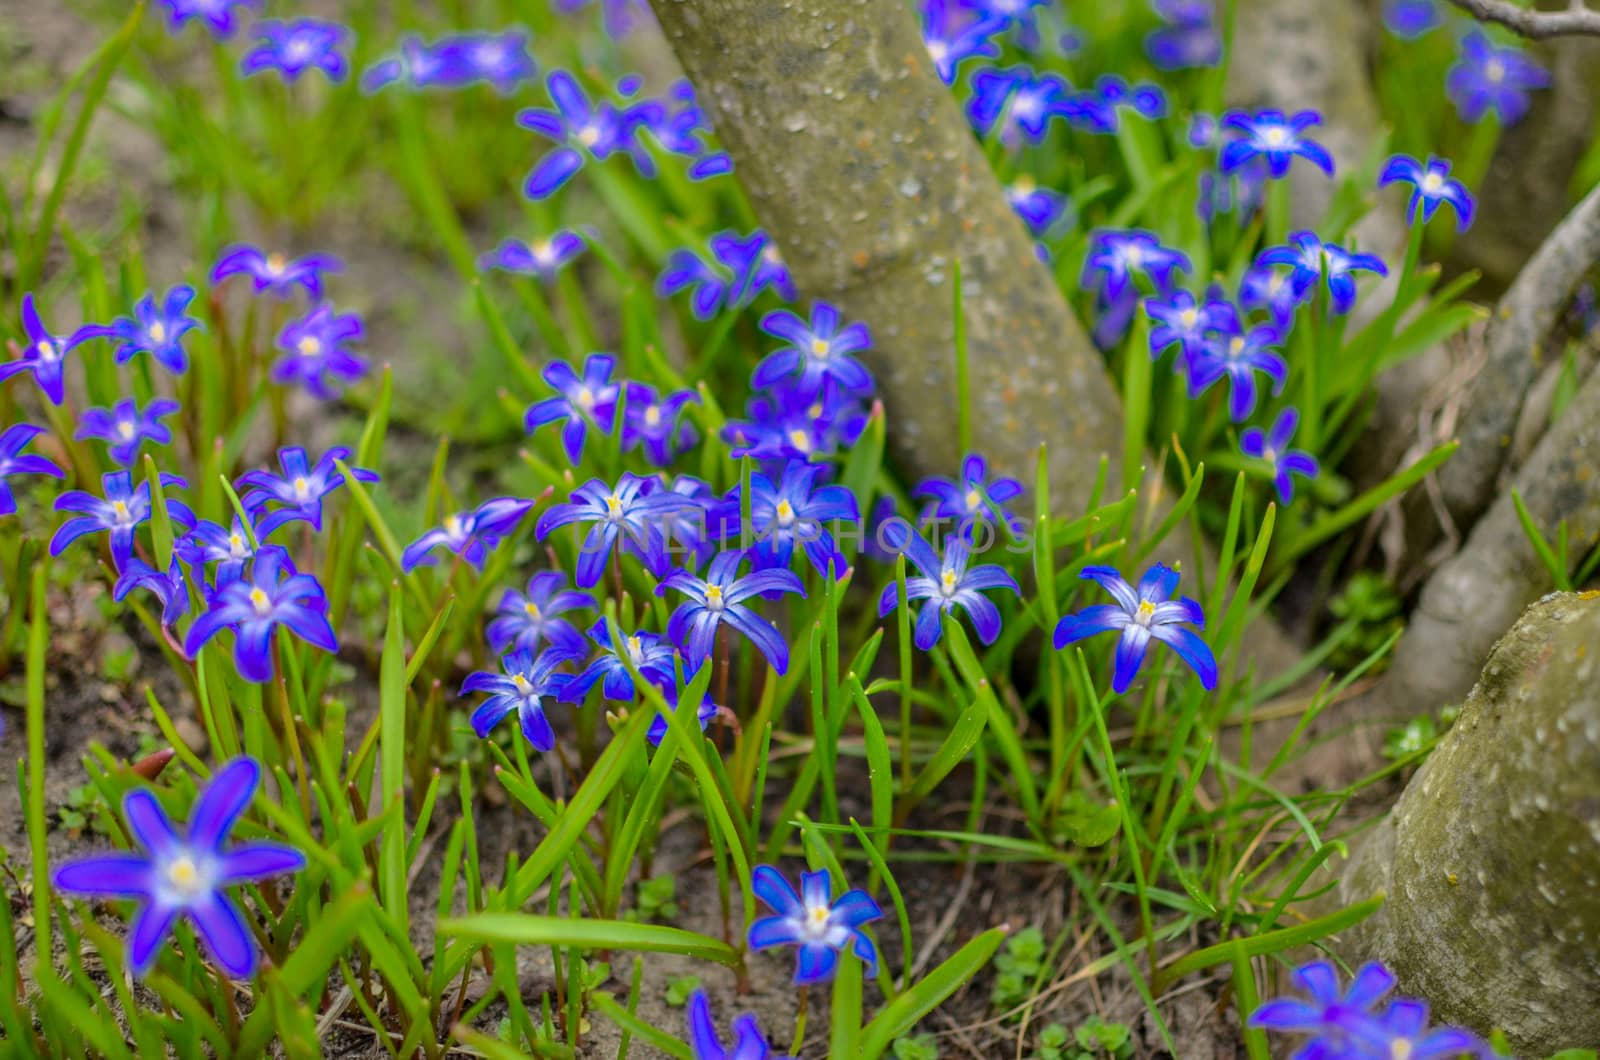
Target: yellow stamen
[1235,344]
[521,683]
[531,608]
[1189,317]
[588,136]
[714,597]
[184,876]
[275,263]
[45,350]
[586,397]
[309,346]
[125,429]
[819,347]
[302,488]
[948,580]
[1146,611]
[235,544]
[974,499]
[785,513]
[652,416]
[260,601]
[158,332]
[613,506]
[120,509]
[800,440]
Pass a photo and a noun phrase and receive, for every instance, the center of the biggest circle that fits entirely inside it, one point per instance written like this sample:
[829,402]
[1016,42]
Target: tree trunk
[1491,858]
[862,168]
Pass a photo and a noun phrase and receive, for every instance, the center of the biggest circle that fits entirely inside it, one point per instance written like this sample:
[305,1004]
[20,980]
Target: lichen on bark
[861,166]
[1491,858]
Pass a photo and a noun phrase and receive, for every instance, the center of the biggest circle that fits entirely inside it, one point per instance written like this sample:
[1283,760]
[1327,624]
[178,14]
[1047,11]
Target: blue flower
[649,653]
[581,129]
[273,594]
[786,424]
[294,47]
[1180,320]
[300,489]
[946,584]
[186,875]
[1115,257]
[227,546]
[419,65]
[654,423]
[1410,19]
[274,272]
[218,14]
[617,17]
[1239,356]
[125,427]
[755,264]
[679,125]
[821,927]
[542,258]
[1189,38]
[1270,134]
[1403,1030]
[314,352]
[748,1041]
[1342,1023]
[630,510]
[971,496]
[1145,99]
[1432,185]
[795,511]
[819,350]
[44,353]
[1264,287]
[719,598]
[120,512]
[1039,208]
[13,461]
[1313,259]
[1138,615]
[583,402]
[685,270]
[1017,100]
[952,37]
[1488,78]
[154,329]
[1273,448]
[525,620]
[472,535]
[1329,1006]
[522,688]
[684,528]
[499,59]
[169,587]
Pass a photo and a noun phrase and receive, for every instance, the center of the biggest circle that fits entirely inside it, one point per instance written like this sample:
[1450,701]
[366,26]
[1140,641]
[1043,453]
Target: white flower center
[1189,317]
[158,332]
[309,346]
[588,136]
[260,601]
[1235,345]
[302,489]
[652,416]
[613,507]
[785,513]
[275,264]
[585,398]
[236,546]
[800,440]
[714,597]
[635,649]
[1432,183]
[120,513]
[947,583]
[185,877]
[46,350]
[522,683]
[1145,613]
[124,430]
[819,348]
[818,922]
[542,252]
[452,526]
[939,50]
[1495,70]
[1023,186]
[531,608]
[1277,136]
[974,499]
[1400,1049]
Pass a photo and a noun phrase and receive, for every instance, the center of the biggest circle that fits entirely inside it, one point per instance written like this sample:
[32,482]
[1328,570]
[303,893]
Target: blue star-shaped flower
[44,353]
[1313,260]
[1487,78]
[1181,321]
[1431,186]
[13,461]
[296,46]
[472,535]
[580,402]
[522,689]
[120,512]
[315,352]
[654,423]
[818,350]
[1115,257]
[1273,448]
[169,587]
[274,272]
[1139,615]
[649,653]
[186,875]
[953,35]
[581,130]
[748,1041]
[217,14]
[254,605]
[718,598]
[630,510]
[525,620]
[945,584]
[299,490]
[227,546]
[125,427]
[1272,135]
[542,257]
[812,920]
[971,496]
[1239,356]
[794,511]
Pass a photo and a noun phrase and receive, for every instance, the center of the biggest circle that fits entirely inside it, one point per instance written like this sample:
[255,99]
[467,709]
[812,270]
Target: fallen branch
[1521,320]
[1576,21]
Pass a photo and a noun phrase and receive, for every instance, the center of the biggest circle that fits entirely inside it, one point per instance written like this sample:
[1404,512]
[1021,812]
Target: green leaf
[903,1013]
[528,929]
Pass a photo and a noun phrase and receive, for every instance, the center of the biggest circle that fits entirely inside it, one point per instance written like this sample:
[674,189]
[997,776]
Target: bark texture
[1477,593]
[863,169]
[1491,858]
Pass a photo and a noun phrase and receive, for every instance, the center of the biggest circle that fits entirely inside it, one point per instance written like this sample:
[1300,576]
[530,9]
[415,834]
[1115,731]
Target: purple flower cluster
[1017,104]
[734,272]
[1346,1023]
[456,61]
[585,130]
[314,349]
[591,401]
